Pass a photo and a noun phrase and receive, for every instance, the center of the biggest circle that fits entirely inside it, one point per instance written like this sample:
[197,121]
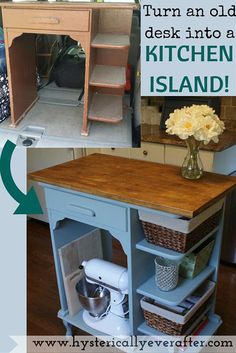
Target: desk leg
[21,66]
[69,328]
[139,265]
[86,124]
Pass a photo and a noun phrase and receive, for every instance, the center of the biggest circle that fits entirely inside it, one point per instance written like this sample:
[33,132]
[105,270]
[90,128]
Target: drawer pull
[82,210]
[45,20]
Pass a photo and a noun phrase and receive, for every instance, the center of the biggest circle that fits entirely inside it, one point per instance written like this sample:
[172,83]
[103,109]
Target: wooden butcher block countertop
[147,184]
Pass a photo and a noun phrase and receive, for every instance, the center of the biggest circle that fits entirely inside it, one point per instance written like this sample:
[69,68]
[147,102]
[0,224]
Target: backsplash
[152,107]
[228,112]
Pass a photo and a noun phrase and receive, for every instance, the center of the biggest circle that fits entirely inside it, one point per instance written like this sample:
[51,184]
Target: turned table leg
[69,328]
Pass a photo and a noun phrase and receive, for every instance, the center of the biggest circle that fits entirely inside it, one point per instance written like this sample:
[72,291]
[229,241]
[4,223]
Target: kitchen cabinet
[120,152]
[216,157]
[223,162]
[175,156]
[150,152]
[99,191]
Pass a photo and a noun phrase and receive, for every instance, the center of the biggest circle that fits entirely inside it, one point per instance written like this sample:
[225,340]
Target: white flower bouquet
[198,121]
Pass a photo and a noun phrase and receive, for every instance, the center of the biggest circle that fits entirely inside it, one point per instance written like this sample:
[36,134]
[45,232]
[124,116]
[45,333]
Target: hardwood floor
[43,301]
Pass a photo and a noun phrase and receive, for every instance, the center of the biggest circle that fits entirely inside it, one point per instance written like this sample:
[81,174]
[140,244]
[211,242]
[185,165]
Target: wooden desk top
[68,5]
[151,185]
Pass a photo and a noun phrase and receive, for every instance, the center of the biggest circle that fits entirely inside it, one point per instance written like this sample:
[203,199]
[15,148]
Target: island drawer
[102,214]
[66,20]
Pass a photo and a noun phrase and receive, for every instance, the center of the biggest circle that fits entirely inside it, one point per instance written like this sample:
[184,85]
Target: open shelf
[108,76]
[144,245]
[106,108]
[77,321]
[176,296]
[209,330]
[149,331]
[112,41]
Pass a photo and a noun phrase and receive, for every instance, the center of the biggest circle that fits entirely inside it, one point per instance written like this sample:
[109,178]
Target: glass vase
[192,167]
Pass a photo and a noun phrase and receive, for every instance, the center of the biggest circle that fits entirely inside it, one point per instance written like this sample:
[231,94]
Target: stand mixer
[103,293]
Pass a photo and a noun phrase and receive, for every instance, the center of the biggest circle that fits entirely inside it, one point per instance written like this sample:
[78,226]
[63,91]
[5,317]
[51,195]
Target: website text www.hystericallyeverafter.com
[107,344]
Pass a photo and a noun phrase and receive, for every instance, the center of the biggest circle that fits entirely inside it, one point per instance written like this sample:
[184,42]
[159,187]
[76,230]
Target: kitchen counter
[153,133]
[145,184]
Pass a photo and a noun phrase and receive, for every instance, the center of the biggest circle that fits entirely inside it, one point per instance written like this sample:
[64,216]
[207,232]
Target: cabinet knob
[145,153]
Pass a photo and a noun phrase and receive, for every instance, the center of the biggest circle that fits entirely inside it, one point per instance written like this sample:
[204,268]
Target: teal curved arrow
[29,203]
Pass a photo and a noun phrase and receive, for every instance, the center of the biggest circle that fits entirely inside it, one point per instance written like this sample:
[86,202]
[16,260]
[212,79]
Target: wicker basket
[170,327]
[171,323]
[178,241]
[168,322]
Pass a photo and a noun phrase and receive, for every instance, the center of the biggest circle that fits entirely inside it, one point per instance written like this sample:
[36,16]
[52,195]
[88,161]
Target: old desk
[103,31]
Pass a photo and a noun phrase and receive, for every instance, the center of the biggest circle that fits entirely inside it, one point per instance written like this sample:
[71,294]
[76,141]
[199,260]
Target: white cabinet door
[175,155]
[120,152]
[89,151]
[151,152]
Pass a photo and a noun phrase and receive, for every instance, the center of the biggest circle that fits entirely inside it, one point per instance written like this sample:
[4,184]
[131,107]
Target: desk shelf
[111,41]
[106,108]
[108,76]
[176,296]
